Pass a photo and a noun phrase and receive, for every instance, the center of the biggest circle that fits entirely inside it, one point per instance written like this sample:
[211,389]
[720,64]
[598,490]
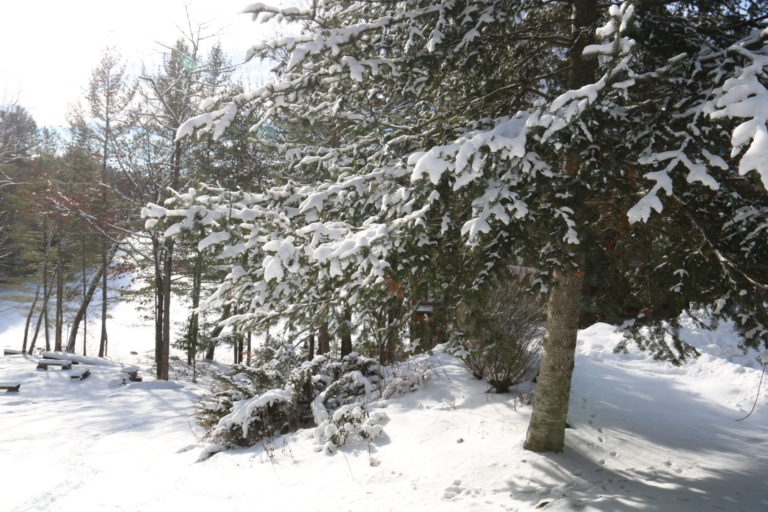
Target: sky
[49,47]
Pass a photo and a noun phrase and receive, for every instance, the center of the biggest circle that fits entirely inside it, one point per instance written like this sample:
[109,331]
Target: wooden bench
[10,388]
[131,373]
[11,351]
[80,373]
[43,364]
[62,356]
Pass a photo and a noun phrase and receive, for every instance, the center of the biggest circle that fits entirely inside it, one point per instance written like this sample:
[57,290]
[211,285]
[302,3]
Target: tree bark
[249,348]
[546,431]
[388,350]
[194,318]
[237,345]
[58,328]
[311,346]
[159,307]
[46,285]
[346,334]
[84,315]
[166,325]
[324,339]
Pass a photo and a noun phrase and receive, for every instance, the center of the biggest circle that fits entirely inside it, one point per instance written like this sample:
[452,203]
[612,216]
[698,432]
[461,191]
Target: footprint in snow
[456,489]
[452,490]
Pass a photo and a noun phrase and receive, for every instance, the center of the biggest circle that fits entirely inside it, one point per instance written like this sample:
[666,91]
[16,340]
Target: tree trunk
[249,348]
[311,346]
[104,259]
[166,277]
[167,274]
[159,307]
[216,332]
[237,345]
[324,339]
[82,311]
[47,295]
[546,431]
[29,319]
[388,352]
[194,318]
[46,286]
[59,301]
[346,334]
[84,315]
[104,300]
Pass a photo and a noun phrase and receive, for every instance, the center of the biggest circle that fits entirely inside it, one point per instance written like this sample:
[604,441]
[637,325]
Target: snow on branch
[745,96]
[262,13]
[615,50]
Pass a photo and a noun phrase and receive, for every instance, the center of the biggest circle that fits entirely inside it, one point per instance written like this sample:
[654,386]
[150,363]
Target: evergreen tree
[620,152]
[109,96]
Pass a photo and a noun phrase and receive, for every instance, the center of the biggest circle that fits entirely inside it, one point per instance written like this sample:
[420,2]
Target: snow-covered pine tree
[624,148]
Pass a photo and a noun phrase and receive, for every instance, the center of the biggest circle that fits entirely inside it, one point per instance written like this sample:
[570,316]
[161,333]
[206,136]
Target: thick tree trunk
[546,431]
[82,310]
[324,339]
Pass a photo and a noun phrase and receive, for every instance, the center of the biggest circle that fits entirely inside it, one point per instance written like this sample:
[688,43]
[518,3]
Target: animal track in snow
[453,490]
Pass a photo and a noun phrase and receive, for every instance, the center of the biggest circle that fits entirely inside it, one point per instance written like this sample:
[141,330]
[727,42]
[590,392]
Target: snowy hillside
[644,436]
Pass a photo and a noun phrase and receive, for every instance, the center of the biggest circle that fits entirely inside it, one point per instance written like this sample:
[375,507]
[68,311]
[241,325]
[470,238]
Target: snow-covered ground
[644,436]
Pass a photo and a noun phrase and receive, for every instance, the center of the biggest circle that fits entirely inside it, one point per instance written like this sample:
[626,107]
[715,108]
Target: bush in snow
[405,379]
[279,393]
[249,401]
[501,331]
[349,422]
